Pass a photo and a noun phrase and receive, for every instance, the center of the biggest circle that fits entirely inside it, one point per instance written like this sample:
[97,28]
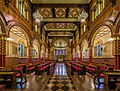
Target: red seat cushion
[1,86]
[18,74]
[101,68]
[18,69]
[31,68]
[91,69]
[102,75]
[43,68]
[77,68]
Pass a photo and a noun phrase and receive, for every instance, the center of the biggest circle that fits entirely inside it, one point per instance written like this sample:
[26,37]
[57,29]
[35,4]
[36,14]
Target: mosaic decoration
[60,26]
[46,12]
[74,12]
[60,12]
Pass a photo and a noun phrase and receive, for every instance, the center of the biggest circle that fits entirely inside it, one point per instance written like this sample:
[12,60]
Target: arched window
[33,53]
[99,50]
[21,49]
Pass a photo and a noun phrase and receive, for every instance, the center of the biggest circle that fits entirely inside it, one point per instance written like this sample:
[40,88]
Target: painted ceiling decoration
[60,43]
[18,31]
[60,34]
[46,12]
[60,12]
[74,12]
[102,31]
[60,26]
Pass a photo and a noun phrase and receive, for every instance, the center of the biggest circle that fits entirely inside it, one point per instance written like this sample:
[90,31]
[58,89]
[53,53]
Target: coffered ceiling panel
[46,12]
[74,12]
[60,26]
[60,12]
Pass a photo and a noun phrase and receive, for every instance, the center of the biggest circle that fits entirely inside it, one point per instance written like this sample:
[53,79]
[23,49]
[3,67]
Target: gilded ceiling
[60,19]
[60,12]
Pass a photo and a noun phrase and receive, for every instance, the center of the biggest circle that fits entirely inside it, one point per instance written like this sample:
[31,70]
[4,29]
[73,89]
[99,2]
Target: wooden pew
[9,78]
[112,78]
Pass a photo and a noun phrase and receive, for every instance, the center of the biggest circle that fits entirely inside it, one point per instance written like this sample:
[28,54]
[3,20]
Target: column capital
[30,46]
[90,47]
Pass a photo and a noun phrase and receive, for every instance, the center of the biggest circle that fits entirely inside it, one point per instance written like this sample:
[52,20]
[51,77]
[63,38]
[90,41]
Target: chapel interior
[59,45]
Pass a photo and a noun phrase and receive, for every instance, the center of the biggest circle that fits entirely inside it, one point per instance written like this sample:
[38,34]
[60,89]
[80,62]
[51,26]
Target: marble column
[117,52]
[90,54]
[2,50]
[30,54]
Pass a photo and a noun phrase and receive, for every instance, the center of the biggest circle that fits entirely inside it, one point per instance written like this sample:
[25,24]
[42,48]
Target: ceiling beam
[60,1]
[61,20]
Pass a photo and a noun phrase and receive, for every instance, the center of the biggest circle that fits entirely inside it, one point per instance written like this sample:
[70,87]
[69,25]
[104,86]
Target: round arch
[82,41]
[95,30]
[38,43]
[24,30]
[21,41]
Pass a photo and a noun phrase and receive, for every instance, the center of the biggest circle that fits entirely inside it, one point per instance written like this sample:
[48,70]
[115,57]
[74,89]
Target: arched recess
[103,45]
[25,30]
[2,23]
[82,40]
[35,49]
[85,49]
[95,30]
[17,45]
[60,50]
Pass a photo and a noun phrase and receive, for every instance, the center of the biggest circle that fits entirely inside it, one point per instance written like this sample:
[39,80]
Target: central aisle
[60,81]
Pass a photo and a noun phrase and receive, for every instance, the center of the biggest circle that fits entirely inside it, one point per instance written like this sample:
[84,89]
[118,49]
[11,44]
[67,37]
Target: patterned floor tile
[60,82]
[50,85]
[60,85]
[60,90]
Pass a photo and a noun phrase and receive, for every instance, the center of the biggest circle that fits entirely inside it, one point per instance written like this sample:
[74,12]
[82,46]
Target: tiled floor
[60,81]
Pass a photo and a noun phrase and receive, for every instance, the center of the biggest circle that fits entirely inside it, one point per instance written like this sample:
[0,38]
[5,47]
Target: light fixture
[37,16]
[10,39]
[110,39]
[83,16]
[50,40]
[70,40]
